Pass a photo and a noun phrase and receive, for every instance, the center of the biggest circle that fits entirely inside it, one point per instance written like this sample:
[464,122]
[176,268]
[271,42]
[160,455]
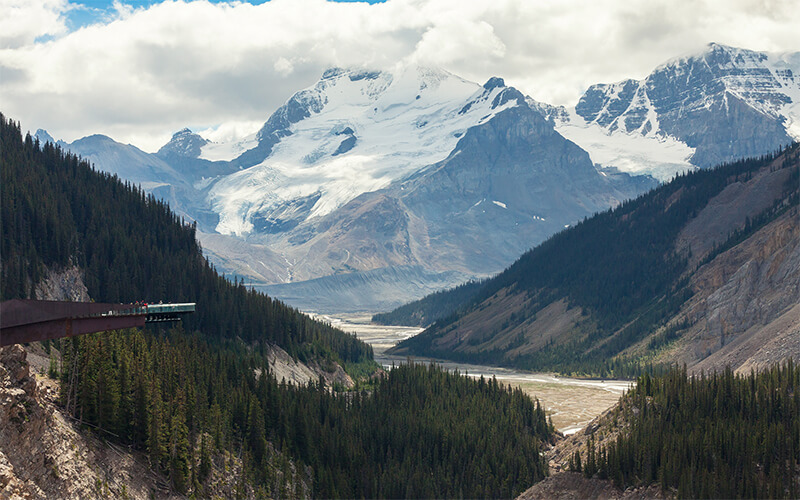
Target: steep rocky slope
[44,454]
[731,297]
[746,306]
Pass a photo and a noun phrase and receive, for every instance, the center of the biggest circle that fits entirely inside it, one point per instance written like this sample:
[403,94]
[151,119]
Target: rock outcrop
[66,285]
[746,308]
[292,371]
[45,454]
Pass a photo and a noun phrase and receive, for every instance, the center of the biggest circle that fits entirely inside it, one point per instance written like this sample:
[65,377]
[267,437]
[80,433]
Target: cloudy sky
[140,70]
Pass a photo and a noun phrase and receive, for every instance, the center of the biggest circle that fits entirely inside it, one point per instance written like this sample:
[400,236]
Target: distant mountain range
[423,176]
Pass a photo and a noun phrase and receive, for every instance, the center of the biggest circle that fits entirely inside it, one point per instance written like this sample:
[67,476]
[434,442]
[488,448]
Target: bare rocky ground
[573,486]
[43,454]
[565,485]
[66,284]
[46,454]
[284,367]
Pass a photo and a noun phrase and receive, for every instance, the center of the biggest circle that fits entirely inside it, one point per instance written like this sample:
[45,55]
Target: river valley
[571,403]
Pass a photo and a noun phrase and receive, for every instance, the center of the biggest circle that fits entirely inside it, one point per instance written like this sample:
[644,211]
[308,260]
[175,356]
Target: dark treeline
[57,211]
[715,436]
[432,307]
[422,432]
[620,266]
[187,399]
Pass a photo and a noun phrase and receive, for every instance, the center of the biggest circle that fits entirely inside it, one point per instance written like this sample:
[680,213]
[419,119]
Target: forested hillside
[422,432]
[58,211]
[432,307]
[187,398]
[715,436]
[580,299]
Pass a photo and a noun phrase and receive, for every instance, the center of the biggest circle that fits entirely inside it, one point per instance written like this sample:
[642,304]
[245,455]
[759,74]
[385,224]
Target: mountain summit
[184,143]
[353,132]
[713,106]
[375,170]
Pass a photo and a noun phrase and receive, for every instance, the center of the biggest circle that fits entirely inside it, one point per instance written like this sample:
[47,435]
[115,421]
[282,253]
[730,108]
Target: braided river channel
[571,402]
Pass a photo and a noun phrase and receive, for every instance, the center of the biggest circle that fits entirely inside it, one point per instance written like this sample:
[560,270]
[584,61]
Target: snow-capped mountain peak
[698,109]
[768,83]
[354,131]
[184,143]
[43,136]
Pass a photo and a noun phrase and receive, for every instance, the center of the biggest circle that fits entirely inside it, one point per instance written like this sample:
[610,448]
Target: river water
[571,403]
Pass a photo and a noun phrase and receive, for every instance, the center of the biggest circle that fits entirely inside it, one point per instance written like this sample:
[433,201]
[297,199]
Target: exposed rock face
[66,285]
[724,102]
[284,368]
[19,381]
[183,143]
[17,403]
[745,312]
[513,180]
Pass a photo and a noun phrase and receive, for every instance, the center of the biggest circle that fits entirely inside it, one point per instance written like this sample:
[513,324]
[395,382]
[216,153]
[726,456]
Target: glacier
[401,122]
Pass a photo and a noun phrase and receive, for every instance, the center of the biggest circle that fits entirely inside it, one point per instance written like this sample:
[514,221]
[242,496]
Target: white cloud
[148,72]
[229,131]
[22,21]
[283,66]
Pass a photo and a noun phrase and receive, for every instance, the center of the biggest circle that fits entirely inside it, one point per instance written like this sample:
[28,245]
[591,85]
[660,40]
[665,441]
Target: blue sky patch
[85,13]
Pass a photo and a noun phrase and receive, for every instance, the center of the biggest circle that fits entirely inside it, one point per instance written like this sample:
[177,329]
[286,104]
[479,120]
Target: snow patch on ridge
[785,68]
[226,151]
[659,156]
[621,126]
[229,140]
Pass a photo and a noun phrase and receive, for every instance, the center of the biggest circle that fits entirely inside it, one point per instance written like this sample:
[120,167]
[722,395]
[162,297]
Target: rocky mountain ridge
[369,170]
[713,106]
